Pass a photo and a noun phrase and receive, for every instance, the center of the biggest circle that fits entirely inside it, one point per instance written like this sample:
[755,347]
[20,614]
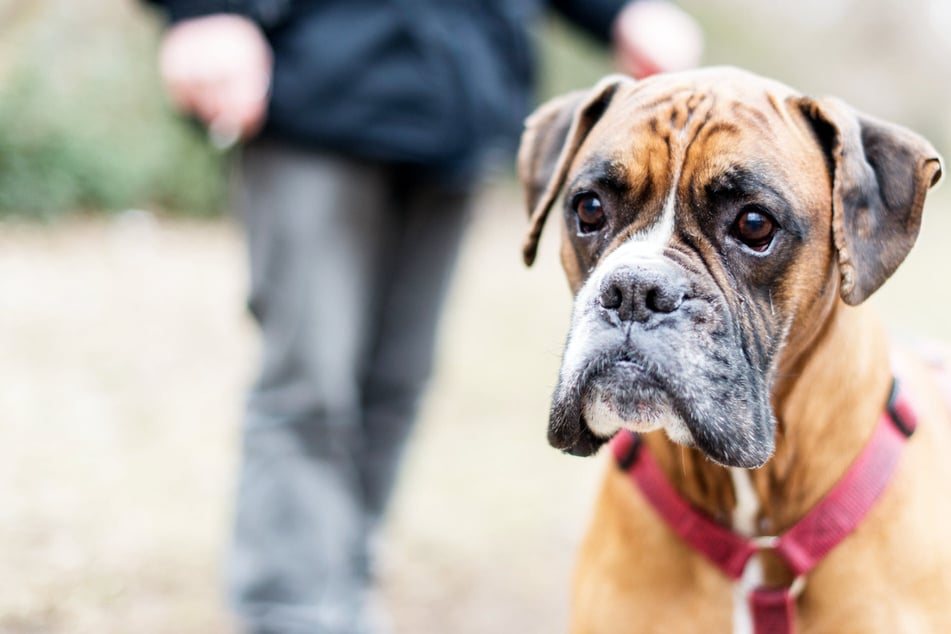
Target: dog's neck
[827,401]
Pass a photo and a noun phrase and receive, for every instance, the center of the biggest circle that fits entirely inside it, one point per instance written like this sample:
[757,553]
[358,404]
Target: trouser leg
[420,265]
[316,227]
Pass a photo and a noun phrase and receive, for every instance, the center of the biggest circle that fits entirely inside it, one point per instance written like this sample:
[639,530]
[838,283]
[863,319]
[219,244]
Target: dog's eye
[590,212]
[755,228]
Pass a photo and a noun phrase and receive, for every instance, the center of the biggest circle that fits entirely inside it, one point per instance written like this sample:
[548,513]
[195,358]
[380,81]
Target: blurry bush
[83,123]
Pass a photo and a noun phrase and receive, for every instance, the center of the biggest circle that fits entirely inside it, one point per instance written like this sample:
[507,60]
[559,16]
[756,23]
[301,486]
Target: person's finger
[635,64]
[241,103]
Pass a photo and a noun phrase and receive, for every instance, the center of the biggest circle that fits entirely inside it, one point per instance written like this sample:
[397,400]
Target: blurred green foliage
[53,161]
[84,126]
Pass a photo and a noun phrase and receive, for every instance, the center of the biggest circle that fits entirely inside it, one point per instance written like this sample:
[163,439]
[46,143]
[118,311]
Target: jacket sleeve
[594,16]
[267,13]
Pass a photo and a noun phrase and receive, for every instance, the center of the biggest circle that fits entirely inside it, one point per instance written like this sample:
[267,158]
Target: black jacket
[425,82]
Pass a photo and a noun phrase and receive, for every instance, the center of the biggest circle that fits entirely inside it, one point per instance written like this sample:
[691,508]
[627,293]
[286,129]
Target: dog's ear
[880,175]
[552,136]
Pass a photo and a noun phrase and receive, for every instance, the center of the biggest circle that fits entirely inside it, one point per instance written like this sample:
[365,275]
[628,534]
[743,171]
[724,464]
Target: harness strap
[801,547]
[726,549]
[774,611]
[836,515]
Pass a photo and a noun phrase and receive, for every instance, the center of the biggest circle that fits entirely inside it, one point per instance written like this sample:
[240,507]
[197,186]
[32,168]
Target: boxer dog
[720,233]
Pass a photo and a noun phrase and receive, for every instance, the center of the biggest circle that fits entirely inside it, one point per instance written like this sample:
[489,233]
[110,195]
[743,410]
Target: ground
[125,353]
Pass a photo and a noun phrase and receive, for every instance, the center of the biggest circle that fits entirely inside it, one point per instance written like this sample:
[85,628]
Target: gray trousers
[349,266]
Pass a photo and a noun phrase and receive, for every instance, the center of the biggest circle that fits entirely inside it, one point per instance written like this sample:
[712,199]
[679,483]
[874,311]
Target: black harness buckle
[907,428]
[630,457]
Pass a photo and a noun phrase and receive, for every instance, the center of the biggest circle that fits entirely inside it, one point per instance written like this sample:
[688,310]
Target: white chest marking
[744,523]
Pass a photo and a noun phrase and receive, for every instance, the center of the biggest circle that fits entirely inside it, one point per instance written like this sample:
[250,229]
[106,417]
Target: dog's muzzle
[651,347]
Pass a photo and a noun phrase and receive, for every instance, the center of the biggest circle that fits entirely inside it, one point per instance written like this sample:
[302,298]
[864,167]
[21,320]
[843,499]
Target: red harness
[803,545]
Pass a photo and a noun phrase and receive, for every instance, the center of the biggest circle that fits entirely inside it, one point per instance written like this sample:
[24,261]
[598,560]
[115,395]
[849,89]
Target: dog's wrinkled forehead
[655,137]
[674,109]
[666,145]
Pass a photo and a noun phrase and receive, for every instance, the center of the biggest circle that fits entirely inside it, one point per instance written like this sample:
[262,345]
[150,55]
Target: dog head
[710,220]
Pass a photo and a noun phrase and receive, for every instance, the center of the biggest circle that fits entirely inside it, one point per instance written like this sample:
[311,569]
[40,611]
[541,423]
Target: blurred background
[125,351]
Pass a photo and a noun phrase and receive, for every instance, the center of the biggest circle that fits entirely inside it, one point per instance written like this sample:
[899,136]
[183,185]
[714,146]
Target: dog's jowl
[720,232]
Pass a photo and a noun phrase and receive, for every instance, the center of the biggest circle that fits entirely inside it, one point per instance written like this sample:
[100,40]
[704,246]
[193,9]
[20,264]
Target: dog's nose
[638,293]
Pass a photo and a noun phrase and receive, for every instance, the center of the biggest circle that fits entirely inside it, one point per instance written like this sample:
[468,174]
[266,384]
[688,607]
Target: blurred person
[367,126]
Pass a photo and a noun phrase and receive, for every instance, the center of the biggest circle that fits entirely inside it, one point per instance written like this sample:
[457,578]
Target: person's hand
[654,36]
[218,68]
